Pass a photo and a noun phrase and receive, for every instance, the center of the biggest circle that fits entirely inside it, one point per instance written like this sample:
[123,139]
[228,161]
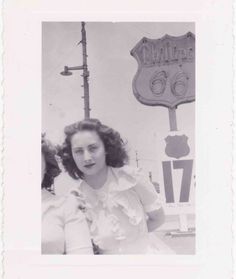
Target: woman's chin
[93,171]
[90,171]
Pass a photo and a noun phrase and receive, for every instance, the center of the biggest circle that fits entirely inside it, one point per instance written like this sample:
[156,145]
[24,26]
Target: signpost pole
[172,119]
[183,218]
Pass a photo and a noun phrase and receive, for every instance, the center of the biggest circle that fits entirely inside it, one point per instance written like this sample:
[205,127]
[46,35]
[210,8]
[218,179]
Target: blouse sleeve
[77,236]
[147,193]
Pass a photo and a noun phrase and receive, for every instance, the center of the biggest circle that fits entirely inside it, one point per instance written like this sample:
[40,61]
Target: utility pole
[85,75]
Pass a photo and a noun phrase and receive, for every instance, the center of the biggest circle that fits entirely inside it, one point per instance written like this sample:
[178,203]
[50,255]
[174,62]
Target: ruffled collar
[94,196]
[110,194]
[125,178]
[118,180]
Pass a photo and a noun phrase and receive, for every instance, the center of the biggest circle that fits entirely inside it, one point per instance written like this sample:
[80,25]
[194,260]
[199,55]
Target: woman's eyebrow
[93,144]
[77,148]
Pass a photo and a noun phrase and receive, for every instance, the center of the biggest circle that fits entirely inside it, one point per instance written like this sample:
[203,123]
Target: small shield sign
[177,146]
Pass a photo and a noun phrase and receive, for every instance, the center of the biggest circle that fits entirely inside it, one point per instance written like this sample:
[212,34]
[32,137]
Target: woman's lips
[89,166]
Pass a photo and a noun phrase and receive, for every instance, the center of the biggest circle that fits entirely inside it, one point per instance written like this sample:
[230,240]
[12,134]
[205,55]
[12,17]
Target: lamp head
[66,72]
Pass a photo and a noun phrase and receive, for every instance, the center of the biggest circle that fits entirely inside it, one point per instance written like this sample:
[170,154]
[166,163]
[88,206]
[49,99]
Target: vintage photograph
[118,138]
[126,109]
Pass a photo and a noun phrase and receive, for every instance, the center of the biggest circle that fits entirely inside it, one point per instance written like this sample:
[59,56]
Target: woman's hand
[155,219]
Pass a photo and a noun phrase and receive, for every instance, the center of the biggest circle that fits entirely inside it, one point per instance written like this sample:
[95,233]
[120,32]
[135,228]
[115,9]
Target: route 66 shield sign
[166,70]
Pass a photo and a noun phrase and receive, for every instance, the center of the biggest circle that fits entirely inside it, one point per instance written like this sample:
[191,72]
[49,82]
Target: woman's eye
[78,151]
[93,148]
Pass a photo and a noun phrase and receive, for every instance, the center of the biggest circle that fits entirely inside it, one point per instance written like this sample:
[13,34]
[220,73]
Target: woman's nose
[87,155]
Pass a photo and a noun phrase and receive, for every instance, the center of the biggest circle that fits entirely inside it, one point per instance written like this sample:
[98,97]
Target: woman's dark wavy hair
[116,155]
[52,168]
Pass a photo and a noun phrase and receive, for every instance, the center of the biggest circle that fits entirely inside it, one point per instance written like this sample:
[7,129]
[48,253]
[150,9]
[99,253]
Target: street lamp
[85,75]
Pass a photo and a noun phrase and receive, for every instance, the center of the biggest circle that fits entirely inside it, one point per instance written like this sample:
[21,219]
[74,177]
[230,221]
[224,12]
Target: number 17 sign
[177,173]
[168,168]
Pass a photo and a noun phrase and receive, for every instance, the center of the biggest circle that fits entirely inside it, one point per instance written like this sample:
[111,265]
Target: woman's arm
[150,200]
[155,219]
[77,235]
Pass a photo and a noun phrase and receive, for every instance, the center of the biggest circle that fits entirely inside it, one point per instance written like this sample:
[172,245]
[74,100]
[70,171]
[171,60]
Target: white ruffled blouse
[117,211]
[64,227]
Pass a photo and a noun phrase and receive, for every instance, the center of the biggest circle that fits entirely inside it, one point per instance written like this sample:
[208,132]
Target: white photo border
[213,114]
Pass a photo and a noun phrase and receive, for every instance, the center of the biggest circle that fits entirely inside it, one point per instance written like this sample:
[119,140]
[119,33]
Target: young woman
[64,227]
[121,205]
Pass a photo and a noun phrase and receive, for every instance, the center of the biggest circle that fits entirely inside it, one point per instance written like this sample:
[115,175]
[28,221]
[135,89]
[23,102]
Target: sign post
[166,77]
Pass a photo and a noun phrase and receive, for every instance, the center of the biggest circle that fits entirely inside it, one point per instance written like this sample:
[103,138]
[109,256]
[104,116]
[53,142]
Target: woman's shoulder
[128,171]
[65,202]
[127,176]
[49,197]
[50,201]
[70,206]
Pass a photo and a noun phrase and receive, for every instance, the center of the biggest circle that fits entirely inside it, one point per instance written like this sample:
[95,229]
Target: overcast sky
[112,70]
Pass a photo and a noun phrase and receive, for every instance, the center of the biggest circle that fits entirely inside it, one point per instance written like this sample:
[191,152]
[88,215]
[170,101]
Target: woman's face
[43,167]
[88,152]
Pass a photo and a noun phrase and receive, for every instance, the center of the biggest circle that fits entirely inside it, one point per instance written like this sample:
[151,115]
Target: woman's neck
[98,180]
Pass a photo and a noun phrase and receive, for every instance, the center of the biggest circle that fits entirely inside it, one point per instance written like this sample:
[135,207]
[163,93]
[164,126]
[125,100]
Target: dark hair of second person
[48,152]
